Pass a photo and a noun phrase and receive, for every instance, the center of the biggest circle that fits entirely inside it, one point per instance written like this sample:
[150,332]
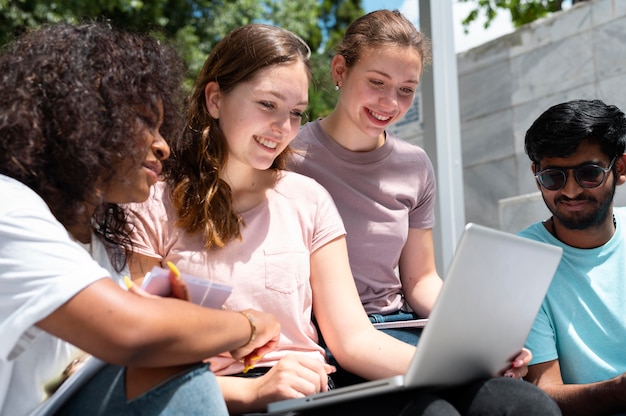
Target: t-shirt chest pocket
[286,269]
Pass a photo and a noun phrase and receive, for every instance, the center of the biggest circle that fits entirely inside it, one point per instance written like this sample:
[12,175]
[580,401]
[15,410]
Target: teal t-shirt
[582,321]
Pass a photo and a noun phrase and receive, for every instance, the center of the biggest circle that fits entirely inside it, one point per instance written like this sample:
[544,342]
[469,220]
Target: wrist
[252,323]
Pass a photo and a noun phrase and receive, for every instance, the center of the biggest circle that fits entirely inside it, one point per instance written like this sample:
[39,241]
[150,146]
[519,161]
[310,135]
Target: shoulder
[298,185]
[306,143]
[16,196]
[406,149]
[536,231]
[306,134]
[302,191]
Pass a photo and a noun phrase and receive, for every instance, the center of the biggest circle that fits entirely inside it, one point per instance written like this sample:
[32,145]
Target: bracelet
[252,327]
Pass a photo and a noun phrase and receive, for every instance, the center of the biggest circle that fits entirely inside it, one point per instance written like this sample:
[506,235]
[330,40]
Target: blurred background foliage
[194,26]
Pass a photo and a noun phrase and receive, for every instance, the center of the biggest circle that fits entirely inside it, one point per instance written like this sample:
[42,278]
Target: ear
[620,164]
[338,69]
[212,96]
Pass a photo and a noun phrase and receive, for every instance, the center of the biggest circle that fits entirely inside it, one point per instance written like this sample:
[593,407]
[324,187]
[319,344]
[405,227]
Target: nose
[389,99]
[282,123]
[160,147]
[571,188]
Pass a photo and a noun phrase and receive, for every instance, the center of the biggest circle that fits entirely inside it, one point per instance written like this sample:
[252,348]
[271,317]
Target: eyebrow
[282,97]
[386,75]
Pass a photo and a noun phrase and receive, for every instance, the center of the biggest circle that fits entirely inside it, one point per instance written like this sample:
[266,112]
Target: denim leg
[192,392]
[409,335]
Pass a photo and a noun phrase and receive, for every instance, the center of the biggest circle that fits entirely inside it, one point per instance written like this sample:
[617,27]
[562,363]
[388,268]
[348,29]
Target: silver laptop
[491,294]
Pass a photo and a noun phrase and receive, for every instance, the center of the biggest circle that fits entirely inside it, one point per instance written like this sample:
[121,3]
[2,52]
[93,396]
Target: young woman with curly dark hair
[84,111]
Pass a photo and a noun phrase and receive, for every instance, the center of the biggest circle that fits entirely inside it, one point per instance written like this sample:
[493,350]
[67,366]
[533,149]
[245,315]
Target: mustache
[564,198]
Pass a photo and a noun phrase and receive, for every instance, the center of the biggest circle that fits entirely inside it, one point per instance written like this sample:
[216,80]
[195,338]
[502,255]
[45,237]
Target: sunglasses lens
[589,176]
[552,179]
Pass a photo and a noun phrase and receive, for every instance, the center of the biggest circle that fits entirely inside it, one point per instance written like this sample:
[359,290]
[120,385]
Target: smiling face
[140,170]
[379,88]
[575,207]
[260,117]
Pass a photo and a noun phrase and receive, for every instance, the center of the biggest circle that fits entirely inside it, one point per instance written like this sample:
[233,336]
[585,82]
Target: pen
[174,269]
[128,282]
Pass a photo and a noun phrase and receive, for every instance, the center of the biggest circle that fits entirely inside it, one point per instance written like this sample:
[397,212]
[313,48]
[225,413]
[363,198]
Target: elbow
[131,346]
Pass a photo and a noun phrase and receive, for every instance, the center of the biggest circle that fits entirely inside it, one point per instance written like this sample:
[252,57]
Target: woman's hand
[519,366]
[293,376]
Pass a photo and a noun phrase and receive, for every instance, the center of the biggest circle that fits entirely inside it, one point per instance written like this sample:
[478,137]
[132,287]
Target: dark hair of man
[560,130]
[378,29]
[202,199]
[69,100]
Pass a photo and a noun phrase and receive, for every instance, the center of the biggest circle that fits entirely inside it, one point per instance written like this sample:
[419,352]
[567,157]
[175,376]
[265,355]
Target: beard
[581,220]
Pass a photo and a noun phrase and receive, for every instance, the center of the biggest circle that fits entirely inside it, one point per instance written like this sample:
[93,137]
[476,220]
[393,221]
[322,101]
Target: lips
[153,166]
[574,204]
[154,170]
[270,144]
[379,116]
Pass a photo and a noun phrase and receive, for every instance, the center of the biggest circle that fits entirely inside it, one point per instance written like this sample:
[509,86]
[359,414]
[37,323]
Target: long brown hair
[203,200]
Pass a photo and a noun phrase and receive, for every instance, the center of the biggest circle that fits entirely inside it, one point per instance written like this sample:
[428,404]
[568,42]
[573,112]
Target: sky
[477,35]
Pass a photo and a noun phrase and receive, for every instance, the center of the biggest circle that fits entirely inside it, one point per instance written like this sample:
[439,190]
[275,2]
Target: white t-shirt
[41,268]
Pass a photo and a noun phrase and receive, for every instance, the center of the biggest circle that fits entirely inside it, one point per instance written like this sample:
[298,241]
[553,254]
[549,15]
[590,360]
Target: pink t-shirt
[269,268]
[380,194]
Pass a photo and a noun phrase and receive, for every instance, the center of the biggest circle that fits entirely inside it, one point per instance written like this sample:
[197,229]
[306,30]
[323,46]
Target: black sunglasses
[587,176]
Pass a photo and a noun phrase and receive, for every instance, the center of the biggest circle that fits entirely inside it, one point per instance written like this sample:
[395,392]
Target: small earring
[337,86]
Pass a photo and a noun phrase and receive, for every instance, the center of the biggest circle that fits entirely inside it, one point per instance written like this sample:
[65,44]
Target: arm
[356,344]
[600,398]
[293,376]
[420,282]
[122,328]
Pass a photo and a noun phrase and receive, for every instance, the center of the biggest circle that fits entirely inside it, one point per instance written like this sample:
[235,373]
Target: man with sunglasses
[579,337]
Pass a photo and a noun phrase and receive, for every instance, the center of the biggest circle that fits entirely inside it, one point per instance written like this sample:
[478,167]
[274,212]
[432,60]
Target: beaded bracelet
[252,327]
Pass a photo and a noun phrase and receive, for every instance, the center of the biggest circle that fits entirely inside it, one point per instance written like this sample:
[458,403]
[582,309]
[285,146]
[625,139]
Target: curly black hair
[69,100]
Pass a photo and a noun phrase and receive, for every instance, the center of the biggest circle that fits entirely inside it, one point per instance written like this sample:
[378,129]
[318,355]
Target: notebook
[492,292]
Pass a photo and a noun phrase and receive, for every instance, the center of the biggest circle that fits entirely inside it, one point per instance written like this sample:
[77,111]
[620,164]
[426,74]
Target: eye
[267,104]
[148,121]
[407,91]
[297,114]
[376,83]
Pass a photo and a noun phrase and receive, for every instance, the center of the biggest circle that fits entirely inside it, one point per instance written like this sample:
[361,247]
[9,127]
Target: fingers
[525,356]
[519,366]
[177,283]
[297,376]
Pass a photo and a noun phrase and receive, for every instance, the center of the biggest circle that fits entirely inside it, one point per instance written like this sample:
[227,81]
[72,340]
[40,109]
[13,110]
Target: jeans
[408,335]
[194,391]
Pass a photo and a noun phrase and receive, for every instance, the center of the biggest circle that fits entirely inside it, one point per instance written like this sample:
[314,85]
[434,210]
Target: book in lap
[492,292]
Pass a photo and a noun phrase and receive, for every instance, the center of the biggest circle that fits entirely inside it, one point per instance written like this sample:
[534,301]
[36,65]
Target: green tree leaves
[194,26]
